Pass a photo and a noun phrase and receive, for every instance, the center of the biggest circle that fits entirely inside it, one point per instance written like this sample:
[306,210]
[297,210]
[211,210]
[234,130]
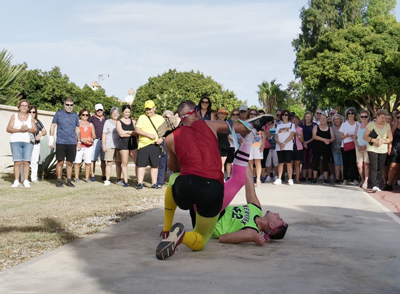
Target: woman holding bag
[378,134]
[347,131]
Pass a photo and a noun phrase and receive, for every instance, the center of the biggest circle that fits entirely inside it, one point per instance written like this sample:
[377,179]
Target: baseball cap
[149,104]
[223,110]
[98,106]
[243,107]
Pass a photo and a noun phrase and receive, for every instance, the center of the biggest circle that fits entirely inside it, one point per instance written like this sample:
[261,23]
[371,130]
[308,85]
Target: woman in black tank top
[323,136]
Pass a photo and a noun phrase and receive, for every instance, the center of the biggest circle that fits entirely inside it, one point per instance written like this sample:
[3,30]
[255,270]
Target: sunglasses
[32,111]
[364,116]
[398,117]
[319,112]
[235,114]
[84,114]
[205,102]
[285,114]
[253,113]
[69,104]
[99,110]
[278,115]
[351,113]
[242,111]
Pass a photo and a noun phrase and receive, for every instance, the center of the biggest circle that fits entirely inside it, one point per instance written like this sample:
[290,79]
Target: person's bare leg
[108,170]
[17,169]
[289,168]
[153,175]
[258,171]
[69,170]
[117,169]
[124,164]
[77,167]
[103,168]
[87,171]
[26,170]
[140,174]
[59,168]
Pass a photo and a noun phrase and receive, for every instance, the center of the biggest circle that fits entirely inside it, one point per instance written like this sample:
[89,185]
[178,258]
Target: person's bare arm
[78,136]
[251,196]
[221,127]
[173,163]
[10,127]
[242,236]
[33,129]
[51,136]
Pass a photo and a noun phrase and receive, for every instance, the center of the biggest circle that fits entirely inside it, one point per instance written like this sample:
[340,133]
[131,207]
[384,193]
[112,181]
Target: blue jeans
[162,168]
[97,150]
[21,151]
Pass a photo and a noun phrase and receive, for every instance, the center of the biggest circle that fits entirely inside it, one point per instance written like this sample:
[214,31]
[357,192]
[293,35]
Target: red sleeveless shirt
[197,150]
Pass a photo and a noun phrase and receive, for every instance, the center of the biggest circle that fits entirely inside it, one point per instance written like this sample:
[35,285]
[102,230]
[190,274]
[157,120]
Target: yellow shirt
[382,134]
[145,125]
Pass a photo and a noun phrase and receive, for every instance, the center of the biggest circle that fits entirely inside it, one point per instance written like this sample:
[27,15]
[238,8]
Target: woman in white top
[361,149]
[347,131]
[284,135]
[22,127]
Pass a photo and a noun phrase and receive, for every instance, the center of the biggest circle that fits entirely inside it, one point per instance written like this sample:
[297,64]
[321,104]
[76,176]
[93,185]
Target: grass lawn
[41,218]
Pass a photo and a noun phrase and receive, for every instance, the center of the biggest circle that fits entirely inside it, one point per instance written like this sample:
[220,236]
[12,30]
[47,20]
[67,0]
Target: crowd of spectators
[350,150]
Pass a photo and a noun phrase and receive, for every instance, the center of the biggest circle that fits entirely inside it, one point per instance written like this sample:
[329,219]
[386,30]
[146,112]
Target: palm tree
[269,94]
[9,73]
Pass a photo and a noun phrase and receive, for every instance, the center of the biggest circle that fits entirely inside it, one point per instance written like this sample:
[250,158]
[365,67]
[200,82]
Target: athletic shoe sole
[260,121]
[167,247]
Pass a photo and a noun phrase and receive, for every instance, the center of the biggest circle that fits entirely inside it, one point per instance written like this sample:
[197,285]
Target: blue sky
[238,43]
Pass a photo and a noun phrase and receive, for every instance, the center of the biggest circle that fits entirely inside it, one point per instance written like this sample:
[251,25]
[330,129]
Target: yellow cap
[149,104]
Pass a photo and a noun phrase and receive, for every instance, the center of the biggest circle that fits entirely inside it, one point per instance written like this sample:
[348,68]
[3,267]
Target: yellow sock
[193,240]
[169,209]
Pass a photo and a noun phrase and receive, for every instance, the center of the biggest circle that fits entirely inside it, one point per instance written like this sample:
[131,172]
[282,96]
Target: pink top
[266,144]
[299,145]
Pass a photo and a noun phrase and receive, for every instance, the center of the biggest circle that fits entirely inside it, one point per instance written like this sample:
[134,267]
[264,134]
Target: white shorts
[362,156]
[272,158]
[86,153]
[255,153]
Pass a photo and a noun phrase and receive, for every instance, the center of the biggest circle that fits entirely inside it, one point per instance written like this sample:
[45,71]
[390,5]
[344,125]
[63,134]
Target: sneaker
[321,177]
[126,185]
[26,184]
[344,182]
[388,188]
[139,186]
[120,182]
[88,181]
[375,189]
[337,182]
[164,234]
[167,247]
[275,178]
[327,182]
[59,184]
[356,183]
[260,121]
[365,185]
[290,182]
[314,181]
[107,183]
[103,178]
[154,186]
[76,181]
[310,180]
[93,179]
[268,179]
[16,184]
[35,181]
[277,182]
[350,183]
[262,179]
[69,184]
[302,179]
[159,186]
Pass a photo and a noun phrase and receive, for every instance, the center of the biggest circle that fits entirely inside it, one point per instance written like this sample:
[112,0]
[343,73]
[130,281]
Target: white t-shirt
[283,132]
[347,129]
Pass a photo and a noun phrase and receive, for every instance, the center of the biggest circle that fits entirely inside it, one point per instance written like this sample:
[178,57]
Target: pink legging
[234,184]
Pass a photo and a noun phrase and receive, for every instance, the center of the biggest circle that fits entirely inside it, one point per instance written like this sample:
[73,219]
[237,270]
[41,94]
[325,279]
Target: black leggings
[325,160]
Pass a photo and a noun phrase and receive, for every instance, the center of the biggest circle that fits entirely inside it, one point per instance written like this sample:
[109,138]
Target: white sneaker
[290,182]
[16,184]
[275,178]
[375,189]
[107,183]
[277,182]
[26,184]
[321,177]
[268,179]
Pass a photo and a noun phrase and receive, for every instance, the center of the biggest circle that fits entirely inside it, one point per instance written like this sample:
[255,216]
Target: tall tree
[271,96]
[172,87]
[9,74]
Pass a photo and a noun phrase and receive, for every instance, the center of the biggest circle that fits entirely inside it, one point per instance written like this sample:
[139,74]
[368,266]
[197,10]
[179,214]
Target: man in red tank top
[193,151]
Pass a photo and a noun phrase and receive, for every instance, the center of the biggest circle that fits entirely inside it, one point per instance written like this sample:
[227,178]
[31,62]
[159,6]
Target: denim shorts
[97,150]
[21,151]
[337,158]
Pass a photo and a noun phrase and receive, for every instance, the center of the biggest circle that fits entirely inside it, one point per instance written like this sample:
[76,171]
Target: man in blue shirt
[68,139]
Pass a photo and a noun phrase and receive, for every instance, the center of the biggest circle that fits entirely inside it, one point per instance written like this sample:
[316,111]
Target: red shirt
[197,150]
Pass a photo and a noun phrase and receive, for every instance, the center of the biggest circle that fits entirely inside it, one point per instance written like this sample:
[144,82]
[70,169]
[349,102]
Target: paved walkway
[339,241]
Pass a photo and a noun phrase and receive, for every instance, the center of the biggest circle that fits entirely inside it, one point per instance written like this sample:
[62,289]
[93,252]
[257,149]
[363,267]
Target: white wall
[5,152]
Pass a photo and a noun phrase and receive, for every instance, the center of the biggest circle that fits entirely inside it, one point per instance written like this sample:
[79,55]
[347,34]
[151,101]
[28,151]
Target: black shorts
[65,151]
[265,155]
[298,155]
[206,194]
[394,157]
[223,152]
[149,155]
[231,155]
[285,156]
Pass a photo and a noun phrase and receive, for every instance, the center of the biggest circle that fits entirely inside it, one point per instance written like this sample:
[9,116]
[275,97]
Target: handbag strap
[153,125]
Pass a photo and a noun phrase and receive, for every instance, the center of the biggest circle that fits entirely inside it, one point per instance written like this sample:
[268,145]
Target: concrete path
[339,241]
